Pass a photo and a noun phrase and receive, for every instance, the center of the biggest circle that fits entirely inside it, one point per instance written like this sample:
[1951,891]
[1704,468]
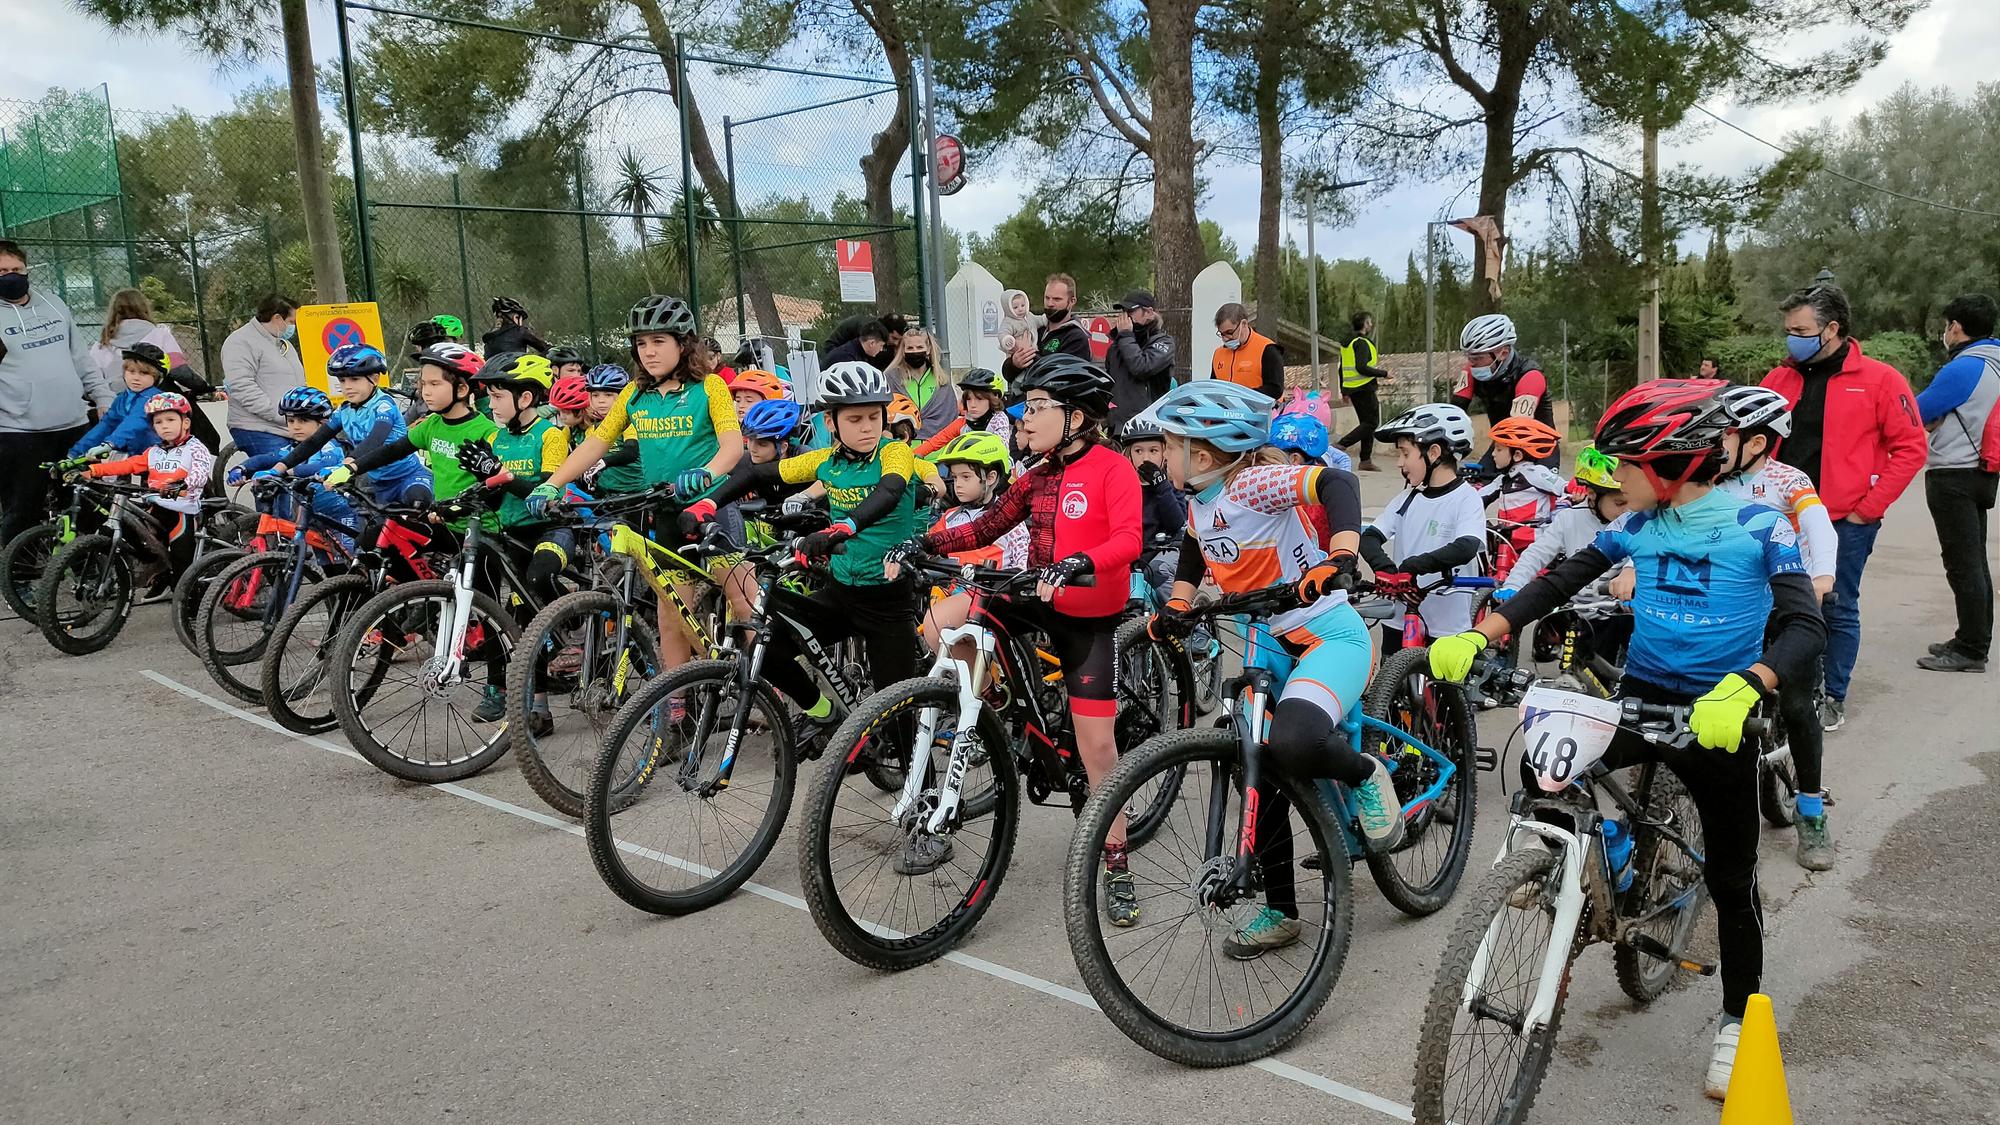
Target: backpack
[1989,443]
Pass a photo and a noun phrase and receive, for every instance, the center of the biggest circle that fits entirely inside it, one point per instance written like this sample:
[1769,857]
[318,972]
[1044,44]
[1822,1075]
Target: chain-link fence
[601,185]
[105,199]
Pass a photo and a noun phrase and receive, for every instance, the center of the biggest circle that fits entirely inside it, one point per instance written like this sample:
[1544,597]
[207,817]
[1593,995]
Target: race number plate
[1567,732]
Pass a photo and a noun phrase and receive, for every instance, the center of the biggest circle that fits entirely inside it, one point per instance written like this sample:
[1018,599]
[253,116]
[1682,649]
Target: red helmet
[168,400]
[461,362]
[1672,425]
[570,393]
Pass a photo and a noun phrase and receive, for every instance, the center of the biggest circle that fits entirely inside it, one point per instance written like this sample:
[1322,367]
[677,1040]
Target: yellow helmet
[1598,470]
[519,367]
[979,449]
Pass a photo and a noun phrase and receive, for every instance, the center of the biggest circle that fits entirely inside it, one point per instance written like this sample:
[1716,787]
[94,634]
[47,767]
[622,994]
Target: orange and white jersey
[1789,490]
[1254,533]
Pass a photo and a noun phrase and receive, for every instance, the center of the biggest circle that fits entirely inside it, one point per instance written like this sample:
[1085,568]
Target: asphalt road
[203,918]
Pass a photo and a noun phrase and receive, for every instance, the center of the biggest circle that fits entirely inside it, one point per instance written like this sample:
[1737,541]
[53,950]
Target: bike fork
[1570,901]
[452,630]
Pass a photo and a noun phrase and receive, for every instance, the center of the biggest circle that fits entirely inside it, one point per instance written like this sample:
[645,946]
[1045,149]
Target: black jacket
[1140,367]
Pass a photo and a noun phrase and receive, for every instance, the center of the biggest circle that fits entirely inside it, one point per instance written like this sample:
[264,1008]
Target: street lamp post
[1430,301]
[1312,186]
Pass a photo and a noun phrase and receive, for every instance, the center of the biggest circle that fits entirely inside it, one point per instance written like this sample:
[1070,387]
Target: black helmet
[660,313]
[425,333]
[508,306]
[1142,428]
[563,353]
[1075,383]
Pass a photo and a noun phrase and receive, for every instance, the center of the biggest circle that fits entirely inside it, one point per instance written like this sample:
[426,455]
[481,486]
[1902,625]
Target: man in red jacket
[1856,433]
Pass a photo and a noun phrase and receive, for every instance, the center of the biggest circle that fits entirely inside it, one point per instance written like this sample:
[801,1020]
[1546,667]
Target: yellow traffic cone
[1757,1093]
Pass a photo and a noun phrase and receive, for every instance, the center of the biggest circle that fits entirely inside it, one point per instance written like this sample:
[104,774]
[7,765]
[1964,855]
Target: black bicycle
[88,589]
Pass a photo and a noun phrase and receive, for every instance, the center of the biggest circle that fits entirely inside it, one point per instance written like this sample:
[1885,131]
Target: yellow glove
[1717,719]
[336,476]
[1451,657]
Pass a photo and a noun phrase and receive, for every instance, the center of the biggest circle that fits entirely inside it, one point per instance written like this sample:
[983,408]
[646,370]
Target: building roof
[792,311]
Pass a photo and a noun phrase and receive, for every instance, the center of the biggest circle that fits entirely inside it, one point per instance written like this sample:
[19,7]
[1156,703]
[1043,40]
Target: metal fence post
[583,236]
[735,223]
[917,163]
[464,265]
[361,226]
[687,175]
[200,302]
[270,255]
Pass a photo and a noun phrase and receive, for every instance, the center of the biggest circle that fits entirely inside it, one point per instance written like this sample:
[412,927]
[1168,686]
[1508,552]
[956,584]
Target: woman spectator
[915,373]
[128,320]
[259,364]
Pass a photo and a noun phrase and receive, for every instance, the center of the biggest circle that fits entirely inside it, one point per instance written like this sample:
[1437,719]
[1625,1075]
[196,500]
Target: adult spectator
[511,332]
[1060,333]
[869,343]
[1957,407]
[259,364]
[1247,356]
[45,375]
[1855,433]
[915,374]
[128,320]
[1141,359]
[1358,374]
[1506,382]
[1709,369]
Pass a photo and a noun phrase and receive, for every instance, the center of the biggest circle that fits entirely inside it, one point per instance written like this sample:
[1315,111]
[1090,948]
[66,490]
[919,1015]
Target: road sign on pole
[326,328]
[855,262]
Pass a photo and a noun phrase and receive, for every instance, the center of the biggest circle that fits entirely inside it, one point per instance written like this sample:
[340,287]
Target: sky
[1947,45]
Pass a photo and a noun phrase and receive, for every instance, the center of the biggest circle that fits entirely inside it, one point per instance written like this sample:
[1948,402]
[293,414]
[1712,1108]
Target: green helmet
[454,328]
[660,313]
[979,449]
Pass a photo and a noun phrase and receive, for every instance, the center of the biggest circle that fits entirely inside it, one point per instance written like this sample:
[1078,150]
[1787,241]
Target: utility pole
[939,318]
[1652,236]
[1312,186]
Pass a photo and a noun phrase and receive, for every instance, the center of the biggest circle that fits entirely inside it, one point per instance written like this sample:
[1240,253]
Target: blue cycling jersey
[371,425]
[1703,596]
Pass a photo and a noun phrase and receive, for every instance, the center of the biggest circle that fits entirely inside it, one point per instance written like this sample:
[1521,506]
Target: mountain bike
[1490,1026]
[1173,983]
[691,788]
[294,675]
[895,879]
[25,556]
[89,588]
[588,652]
[1143,670]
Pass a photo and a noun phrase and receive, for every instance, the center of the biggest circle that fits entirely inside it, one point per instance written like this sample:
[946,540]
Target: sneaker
[1950,660]
[1266,930]
[492,707]
[809,735]
[922,854]
[1832,714]
[1815,843]
[1722,1057]
[1368,467]
[1381,813]
[1939,648]
[565,664]
[1121,901]
[541,723]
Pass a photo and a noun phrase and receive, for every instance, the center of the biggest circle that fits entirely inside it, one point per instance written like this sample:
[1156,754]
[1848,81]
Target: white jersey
[1414,524]
[1570,530]
[1253,534]
[1524,492]
[1012,548]
[1778,485]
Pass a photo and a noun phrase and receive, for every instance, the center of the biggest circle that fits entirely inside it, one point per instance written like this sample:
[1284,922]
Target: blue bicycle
[1189,982]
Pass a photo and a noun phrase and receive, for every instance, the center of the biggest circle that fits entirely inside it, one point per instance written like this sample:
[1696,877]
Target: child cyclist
[1081,503]
[751,387]
[1248,530]
[1723,616]
[126,428]
[304,409]
[1436,525]
[619,469]
[768,430]
[1572,527]
[1303,440]
[367,419]
[177,468]
[445,373]
[687,432]
[569,397]
[1522,490]
[978,469]
[872,500]
[982,397]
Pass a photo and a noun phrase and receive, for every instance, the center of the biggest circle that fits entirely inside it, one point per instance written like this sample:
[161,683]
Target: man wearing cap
[1141,359]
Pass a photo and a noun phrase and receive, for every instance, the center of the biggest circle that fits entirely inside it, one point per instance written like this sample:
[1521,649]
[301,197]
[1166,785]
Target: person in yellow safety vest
[1358,373]
[1247,356]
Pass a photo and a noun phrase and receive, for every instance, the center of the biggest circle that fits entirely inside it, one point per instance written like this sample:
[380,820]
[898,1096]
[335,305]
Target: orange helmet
[1536,439]
[901,409]
[758,382]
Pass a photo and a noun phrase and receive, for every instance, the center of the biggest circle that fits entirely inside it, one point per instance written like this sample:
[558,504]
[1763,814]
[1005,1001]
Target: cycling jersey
[1569,531]
[1010,553]
[1519,376]
[622,471]
[872,495]
[677,429]
[188,464]
[1421,521]
[531,455]
[1252,531]
[437,439]
[368,425]
[1086,504]
[1780,486]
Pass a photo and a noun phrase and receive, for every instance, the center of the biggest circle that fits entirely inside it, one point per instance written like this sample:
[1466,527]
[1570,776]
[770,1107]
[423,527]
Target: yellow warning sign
[323,329]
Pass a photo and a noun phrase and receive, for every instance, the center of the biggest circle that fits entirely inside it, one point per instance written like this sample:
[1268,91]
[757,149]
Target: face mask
[1802,348]
[919,359]
[1232,345]
[1056,316]
[13,286]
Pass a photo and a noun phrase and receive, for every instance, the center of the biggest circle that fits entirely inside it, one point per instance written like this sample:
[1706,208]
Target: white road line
[1283,1070]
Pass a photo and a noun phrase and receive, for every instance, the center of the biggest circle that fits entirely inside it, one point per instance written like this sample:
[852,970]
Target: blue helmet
[774,419]
[1229,416]
[1300,433]
[306,402]
[356,361]
[606,377]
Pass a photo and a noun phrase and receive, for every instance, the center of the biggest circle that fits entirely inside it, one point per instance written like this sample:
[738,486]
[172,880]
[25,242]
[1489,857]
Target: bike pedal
[1651,947]
[1485,759]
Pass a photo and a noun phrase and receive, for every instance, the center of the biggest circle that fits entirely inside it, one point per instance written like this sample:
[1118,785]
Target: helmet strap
[1201,482]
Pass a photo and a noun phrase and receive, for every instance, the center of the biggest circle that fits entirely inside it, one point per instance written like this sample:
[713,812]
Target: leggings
[884,617]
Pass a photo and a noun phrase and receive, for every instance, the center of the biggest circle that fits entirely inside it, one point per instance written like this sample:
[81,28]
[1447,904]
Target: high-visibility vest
[1245,365]
[1351,353]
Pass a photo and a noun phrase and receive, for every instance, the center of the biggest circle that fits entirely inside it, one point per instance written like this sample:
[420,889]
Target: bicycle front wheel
[84,597]
[294,672]
[571,677]
[691,789]
[22,562]
[238,611]
[1155,695]
[1478,1063]
[884,890]
[194,583]
[1420,876]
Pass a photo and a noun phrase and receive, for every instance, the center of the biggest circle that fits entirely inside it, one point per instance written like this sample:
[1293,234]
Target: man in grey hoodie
[45,375]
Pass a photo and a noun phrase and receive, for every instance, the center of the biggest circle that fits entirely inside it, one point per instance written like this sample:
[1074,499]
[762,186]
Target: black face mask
[918,359]
[1056,316]
[13,286]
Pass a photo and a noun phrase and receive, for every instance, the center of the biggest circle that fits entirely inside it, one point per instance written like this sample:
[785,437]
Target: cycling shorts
[1084,646]
[1324,662]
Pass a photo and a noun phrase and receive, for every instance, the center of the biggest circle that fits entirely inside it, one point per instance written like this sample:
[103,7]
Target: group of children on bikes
[1678,490]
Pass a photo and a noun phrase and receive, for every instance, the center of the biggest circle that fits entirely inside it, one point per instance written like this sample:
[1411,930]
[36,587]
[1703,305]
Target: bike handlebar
[991,578]
[1638,714]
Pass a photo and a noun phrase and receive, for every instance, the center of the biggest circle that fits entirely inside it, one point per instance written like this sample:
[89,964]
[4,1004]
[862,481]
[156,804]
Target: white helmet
[1438,423]
[1752,408]
[1484,333]
[852,383]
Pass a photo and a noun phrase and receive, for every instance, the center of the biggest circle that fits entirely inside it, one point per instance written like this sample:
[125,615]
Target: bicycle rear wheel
[1420,876]
[194,582]
[239,610]
[1666,878]
[1155,696]
[667,832]
[22,562]
[572,670]
[1184,982]
[1477,1061]
[884,893]
[294,674]
[84,597]
[1778,790]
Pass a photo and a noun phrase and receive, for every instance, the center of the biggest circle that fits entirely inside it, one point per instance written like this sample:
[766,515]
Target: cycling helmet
[606,377]
[424,333]
[1536,439]
[459,361]
[508,306]
[1484,333]
[980,379]
[306,402]
[1300,433]
[853,383]
[453,327]
[518,368]
[901,409]
[660,313]
[1229,416]
[1597,470]
[978,449]
[563,353]
[1675,424]
[758,382]
[1433,423]
[569,393]
[151,355]
[169,400]
[1075,383]
[1755,408]
[774,419]
[356,361]
[1142,427]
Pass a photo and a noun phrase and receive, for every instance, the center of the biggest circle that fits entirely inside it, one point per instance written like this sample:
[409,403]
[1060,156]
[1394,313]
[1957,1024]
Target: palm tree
[638,191]
[672,233]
